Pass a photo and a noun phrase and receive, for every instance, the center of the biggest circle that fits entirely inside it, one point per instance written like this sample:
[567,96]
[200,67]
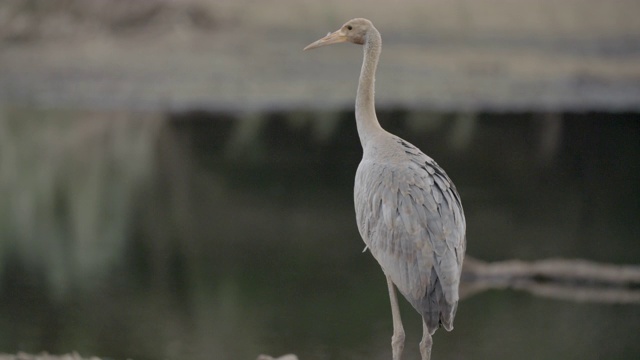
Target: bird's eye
[349,27]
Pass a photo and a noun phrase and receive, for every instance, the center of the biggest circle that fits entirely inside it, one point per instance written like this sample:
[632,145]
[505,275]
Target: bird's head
[353,31]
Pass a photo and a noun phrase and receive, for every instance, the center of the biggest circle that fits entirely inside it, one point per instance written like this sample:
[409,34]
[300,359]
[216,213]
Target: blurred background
[177,176]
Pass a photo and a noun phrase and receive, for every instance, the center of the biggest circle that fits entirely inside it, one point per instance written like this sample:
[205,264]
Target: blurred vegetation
[69,183]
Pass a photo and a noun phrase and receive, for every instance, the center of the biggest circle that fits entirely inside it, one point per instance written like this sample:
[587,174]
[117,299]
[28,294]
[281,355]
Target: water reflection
[205,235]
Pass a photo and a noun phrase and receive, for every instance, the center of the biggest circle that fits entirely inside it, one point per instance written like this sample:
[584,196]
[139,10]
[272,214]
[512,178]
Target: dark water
[217,236]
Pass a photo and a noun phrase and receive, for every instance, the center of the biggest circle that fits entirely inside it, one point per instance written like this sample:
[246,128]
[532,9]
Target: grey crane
[408,211]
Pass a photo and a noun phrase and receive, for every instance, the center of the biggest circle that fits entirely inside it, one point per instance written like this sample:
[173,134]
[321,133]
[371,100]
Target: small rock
[283,357]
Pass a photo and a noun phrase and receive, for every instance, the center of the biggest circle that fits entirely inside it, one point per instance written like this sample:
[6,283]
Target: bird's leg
[426,343]
[397,340]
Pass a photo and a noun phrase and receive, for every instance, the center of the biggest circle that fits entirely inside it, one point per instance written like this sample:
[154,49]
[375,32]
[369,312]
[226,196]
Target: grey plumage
[408,211]
[410,216]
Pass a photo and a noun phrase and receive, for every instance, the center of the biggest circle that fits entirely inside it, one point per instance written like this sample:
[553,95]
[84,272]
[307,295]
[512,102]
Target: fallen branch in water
[576,280]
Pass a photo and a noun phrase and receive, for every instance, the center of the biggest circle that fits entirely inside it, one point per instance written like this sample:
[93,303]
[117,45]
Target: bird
[408,211]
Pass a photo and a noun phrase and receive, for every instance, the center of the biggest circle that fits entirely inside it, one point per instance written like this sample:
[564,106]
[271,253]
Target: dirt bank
[246,55]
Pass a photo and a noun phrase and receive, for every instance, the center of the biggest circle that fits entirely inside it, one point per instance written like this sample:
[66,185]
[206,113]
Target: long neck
[366,119]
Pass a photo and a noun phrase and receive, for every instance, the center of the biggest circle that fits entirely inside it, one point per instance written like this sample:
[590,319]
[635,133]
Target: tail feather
[435,309]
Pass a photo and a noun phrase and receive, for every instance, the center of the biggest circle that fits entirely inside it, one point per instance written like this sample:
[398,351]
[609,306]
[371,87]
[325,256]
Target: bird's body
[409,215]
[408,211]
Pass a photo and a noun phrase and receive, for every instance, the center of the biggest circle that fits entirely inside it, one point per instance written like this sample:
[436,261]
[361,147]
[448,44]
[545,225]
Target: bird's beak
[331,38]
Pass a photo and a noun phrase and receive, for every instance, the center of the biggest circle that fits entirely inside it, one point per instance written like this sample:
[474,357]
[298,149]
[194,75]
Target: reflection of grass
[68,182]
